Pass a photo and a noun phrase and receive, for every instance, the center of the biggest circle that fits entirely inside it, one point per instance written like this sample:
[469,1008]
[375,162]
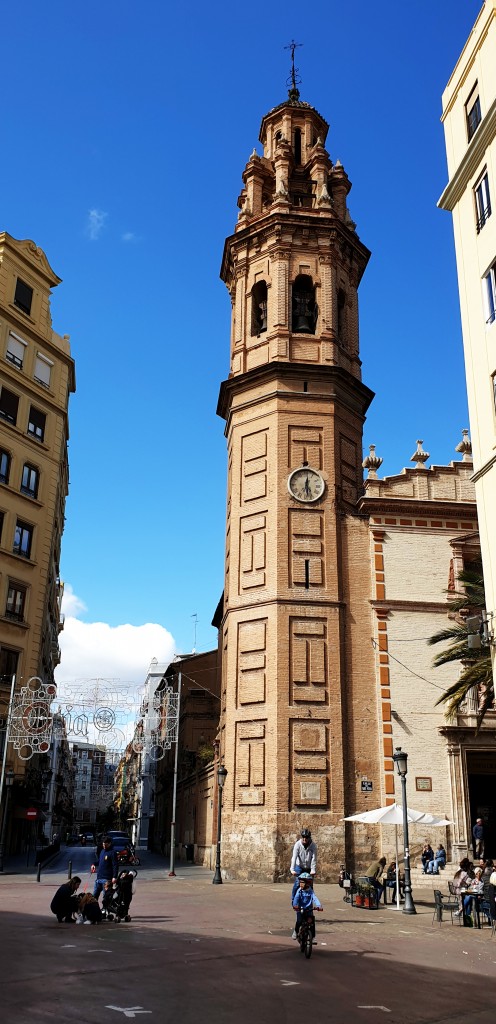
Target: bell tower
[294,406]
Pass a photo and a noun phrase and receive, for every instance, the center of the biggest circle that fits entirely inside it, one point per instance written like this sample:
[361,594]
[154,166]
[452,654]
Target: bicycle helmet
[305,833]
[304,877]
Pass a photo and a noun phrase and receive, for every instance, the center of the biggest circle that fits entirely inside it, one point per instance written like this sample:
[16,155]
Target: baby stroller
[117,898]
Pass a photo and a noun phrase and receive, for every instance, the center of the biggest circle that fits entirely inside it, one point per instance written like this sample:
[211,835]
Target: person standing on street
[478,839]
[107,868]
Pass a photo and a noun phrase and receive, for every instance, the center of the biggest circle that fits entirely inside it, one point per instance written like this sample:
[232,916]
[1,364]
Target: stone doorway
[481,777]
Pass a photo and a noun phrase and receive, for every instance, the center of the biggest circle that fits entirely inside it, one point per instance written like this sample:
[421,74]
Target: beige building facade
[469,118]
[36,380]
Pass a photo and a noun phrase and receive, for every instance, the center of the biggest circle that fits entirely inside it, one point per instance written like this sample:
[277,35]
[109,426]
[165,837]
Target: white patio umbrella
[393,815]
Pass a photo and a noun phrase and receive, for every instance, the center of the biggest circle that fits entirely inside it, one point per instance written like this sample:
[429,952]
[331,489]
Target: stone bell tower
[297,556]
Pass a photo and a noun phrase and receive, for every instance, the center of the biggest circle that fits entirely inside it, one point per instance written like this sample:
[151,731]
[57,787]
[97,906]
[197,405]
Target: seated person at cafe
[427,855]
[374,872]
[462,879]
[475,887]
[391,880]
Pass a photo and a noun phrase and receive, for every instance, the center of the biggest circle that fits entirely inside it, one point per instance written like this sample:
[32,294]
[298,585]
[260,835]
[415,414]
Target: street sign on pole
[31,813]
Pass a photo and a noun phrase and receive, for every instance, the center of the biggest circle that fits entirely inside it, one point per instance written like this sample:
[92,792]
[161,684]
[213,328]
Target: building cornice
[420,507]
[410,606]
[483,469]
[473,156]
[358,395]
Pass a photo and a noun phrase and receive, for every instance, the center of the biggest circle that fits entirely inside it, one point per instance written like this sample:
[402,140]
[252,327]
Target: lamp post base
[409,906]
[217,879]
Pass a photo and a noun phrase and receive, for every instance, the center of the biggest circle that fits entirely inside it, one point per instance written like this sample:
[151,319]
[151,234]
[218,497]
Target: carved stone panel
[254,466]
[308,660]
[250,763]
[252,552]
[305,444]
[309,782]
[252,662]
[307,553]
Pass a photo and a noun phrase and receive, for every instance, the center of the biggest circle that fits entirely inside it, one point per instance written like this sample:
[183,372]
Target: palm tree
[476,662]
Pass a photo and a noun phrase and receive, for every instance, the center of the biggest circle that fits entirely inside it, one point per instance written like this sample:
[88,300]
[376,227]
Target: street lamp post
[221,778]
[400,759]
[9,781]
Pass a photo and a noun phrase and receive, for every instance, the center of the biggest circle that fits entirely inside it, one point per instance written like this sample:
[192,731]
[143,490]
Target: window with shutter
[43,370]
[15,351]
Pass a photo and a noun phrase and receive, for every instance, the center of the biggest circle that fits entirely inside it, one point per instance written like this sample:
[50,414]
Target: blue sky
[126,129]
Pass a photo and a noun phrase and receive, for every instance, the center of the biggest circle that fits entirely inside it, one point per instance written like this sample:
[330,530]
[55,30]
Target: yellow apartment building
[36,379]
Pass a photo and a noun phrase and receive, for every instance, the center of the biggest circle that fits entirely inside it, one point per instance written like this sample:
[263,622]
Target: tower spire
[294,79]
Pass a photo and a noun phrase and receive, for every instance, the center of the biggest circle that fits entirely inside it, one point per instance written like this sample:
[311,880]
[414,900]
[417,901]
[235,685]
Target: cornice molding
[358,394]
[419,507]
[473,156]
[483,470]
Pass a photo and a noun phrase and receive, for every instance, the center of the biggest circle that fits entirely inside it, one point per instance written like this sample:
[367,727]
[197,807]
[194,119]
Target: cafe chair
[442,902]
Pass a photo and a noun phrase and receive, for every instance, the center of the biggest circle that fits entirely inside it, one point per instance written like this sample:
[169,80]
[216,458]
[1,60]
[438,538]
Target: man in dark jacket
[478,838]
[64,903]
[107,867]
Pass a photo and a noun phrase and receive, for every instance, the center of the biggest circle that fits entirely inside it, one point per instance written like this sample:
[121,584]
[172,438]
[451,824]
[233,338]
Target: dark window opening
[36,424]
[473,112]
[482,202]
[23,539]
[23,297]
[307,574]
[9,404]
[8,664]
[278,136]
[259,308]
[4,466]
[305,385]
[297,145]
[30,480]
[16,599]
[304,309]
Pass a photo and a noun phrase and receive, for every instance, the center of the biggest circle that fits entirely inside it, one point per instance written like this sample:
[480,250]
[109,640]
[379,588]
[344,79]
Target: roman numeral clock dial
[306,484]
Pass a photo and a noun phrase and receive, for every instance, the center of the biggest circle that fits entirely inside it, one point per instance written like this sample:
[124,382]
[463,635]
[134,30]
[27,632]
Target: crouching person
[65,902]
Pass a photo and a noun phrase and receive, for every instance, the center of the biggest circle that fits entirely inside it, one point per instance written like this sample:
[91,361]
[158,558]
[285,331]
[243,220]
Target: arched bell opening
[304,309]
[297,146]
[258,308]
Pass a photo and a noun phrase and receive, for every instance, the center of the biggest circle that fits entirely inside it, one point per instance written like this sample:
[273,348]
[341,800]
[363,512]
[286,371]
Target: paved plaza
[195,952]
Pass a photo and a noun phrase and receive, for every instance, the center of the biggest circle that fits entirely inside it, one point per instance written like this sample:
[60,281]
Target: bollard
[69,875]
[38,876]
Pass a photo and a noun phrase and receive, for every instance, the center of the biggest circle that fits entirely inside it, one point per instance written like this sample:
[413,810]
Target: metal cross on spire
[294,79]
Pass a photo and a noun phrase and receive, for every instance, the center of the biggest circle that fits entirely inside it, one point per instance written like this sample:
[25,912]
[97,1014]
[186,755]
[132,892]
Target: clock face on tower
[305,484]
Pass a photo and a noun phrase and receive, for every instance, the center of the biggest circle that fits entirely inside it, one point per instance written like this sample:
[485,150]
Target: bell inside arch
[304,309]
[259,308]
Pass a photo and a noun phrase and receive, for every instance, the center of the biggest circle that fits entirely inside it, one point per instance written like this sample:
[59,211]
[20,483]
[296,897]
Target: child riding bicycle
[304,902]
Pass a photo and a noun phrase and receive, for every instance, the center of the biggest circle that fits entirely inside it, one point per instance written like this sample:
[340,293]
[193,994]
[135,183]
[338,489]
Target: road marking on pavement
[128,1011]
[384,1008]
[403,933]
[284,982]
[69,946]
[100,950]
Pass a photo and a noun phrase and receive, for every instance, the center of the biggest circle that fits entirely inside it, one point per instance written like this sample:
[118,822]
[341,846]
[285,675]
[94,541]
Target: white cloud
[94,224]
[71,603]
[93,650]
[111,661]
[129,236]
